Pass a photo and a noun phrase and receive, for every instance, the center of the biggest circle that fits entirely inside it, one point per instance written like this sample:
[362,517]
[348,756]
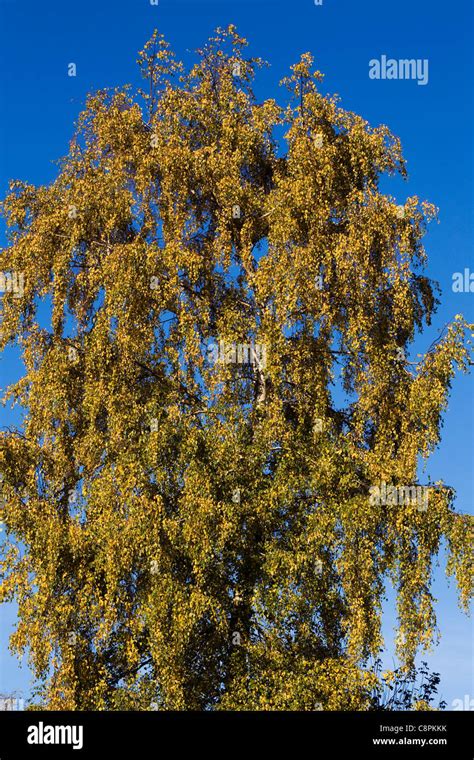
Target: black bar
[175,734]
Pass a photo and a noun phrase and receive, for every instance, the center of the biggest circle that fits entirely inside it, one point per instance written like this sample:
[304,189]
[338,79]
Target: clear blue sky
[39,104]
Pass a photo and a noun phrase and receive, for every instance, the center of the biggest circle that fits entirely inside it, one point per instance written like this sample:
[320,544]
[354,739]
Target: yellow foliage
[195,533]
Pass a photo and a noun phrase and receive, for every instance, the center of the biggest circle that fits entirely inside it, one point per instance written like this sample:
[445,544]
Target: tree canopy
[217,473]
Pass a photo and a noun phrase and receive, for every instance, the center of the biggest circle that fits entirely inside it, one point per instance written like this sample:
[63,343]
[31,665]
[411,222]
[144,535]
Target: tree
[216,475]
[406,689]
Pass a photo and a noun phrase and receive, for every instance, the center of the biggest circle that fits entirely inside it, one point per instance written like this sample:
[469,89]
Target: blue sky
[39,104]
